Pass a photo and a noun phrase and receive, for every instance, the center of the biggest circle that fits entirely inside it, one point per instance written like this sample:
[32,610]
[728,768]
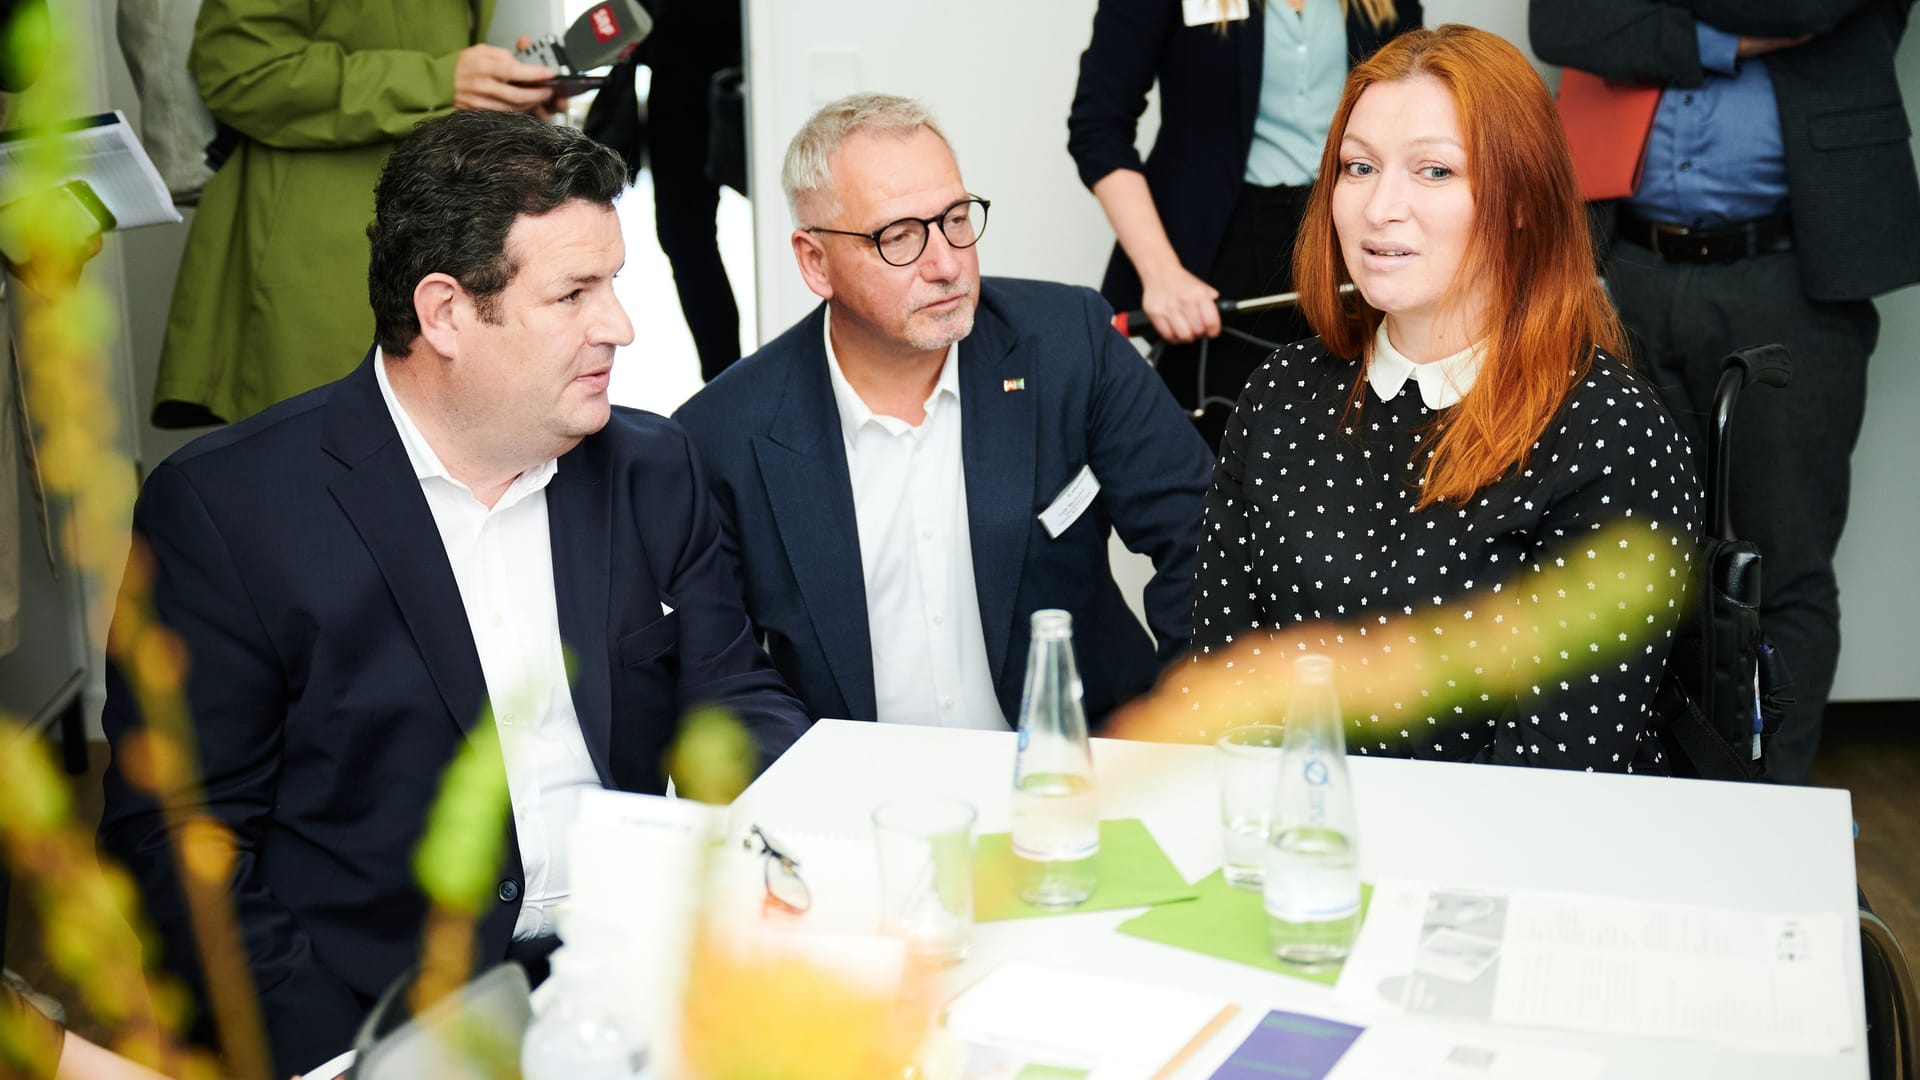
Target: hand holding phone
[489,77]
[46,238]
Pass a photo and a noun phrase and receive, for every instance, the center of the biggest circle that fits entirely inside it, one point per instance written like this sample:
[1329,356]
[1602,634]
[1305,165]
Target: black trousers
[1791,447]
[684,199]
[1255,259]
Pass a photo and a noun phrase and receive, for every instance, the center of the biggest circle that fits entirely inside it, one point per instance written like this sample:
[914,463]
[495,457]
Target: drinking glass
[1249,773]
[926,874]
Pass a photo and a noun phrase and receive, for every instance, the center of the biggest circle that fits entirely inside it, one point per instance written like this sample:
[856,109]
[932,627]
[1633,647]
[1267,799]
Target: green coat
[272,295]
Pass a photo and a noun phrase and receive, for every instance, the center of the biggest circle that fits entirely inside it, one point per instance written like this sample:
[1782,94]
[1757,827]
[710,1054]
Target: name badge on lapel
[1072,501]
[1208,12]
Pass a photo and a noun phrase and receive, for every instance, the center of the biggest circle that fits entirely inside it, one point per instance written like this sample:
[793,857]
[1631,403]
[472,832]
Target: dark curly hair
[448,196]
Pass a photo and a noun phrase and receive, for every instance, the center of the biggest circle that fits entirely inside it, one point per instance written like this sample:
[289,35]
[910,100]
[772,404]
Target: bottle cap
[1052,623]
[1313,668]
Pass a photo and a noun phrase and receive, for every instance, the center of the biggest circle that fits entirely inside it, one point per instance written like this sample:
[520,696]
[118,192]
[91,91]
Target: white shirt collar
[427,464]
[1443,382]
[854,413]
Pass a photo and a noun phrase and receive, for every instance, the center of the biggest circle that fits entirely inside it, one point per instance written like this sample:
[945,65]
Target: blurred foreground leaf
[713,759]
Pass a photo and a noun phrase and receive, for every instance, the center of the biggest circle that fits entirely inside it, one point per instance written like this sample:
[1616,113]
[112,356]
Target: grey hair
[809,164]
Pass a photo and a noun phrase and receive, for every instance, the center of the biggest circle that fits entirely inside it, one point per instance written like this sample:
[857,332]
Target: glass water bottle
[1312,891]
[1056,816]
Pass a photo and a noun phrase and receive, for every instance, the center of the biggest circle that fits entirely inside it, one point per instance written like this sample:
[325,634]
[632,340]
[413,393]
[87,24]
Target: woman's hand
[1181,306]
[490,77]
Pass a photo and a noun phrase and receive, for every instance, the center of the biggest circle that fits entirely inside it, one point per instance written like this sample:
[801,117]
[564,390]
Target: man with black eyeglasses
[930,457]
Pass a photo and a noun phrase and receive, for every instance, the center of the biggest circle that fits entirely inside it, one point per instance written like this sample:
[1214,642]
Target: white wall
[1000,75]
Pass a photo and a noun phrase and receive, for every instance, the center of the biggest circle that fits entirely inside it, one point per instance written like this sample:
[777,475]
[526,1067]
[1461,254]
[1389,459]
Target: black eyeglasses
[782,873]
[901,242]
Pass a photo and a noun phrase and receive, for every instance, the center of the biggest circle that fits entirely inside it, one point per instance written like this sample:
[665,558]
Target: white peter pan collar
[1443,382]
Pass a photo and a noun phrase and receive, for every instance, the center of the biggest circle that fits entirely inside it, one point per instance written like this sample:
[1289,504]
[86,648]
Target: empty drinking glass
[1249,772]
[926,874]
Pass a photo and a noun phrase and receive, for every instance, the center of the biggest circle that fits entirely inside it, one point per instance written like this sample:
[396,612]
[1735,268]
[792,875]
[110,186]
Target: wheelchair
[1725,687]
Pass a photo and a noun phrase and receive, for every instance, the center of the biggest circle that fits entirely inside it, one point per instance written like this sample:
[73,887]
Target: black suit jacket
[1850,174]
[1046,386]
[1209,99]
[332,677]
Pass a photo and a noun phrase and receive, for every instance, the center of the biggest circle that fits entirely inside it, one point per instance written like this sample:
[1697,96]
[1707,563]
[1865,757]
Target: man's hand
[490,77]
[1750,47]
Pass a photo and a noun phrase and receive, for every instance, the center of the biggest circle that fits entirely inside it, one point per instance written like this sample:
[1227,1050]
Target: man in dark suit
[1777,198]
[930,457]
[463,524]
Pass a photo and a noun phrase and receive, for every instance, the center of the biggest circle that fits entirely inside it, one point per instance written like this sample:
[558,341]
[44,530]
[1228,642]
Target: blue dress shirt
[1714,154]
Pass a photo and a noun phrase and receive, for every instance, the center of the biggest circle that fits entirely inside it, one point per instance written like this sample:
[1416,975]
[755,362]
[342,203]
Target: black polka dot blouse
[1311,518]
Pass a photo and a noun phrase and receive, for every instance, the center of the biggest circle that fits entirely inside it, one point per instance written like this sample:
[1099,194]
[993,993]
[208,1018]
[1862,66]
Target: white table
[1739,846]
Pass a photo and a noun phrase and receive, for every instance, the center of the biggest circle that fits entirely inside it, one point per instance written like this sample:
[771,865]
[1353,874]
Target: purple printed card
[1306,1046]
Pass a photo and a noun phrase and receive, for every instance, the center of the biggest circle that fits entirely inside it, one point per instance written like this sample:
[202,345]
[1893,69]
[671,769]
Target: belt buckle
[1663,233]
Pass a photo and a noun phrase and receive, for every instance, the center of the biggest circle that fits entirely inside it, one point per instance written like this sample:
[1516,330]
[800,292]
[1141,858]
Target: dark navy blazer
[1047,386]
[332,677]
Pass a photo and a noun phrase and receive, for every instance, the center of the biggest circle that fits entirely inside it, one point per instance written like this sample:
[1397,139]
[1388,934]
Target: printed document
[1758,981]
[103,151]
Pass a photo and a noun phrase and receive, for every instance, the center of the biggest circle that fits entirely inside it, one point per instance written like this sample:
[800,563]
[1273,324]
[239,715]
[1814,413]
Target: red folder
[1606,125]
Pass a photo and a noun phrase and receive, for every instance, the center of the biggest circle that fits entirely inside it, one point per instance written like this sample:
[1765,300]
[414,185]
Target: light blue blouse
[1303,67]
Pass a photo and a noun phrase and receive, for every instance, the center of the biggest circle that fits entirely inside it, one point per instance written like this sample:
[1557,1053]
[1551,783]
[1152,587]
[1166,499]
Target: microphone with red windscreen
[604,34]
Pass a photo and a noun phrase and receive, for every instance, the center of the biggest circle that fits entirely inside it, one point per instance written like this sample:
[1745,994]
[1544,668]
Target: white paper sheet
[843,877]
[1117,1029]
[1769,982]
[105,153]
[637,865]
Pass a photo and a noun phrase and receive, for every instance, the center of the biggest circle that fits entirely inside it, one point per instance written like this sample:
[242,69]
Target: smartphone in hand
[571,85]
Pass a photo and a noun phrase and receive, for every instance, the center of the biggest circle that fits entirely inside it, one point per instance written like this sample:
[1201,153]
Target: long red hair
[1531,251]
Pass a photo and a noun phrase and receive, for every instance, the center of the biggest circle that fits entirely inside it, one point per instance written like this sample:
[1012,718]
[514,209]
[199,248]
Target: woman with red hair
[1462,424]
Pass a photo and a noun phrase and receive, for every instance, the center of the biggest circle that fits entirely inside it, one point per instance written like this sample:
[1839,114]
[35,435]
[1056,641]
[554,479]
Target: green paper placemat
[1225,922]
[1133,872]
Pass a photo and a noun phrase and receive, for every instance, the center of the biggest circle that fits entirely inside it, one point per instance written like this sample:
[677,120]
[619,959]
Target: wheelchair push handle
[1139,324]
[1767,365]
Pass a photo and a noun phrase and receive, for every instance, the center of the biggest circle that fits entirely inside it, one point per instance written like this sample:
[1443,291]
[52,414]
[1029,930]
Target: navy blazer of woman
[1209,99]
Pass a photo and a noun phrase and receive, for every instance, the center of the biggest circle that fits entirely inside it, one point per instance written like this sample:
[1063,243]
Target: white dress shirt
[502,560]
[916,557]
[1442,382]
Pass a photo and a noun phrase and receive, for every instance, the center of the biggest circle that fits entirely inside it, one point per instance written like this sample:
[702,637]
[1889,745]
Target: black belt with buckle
[1713,243]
